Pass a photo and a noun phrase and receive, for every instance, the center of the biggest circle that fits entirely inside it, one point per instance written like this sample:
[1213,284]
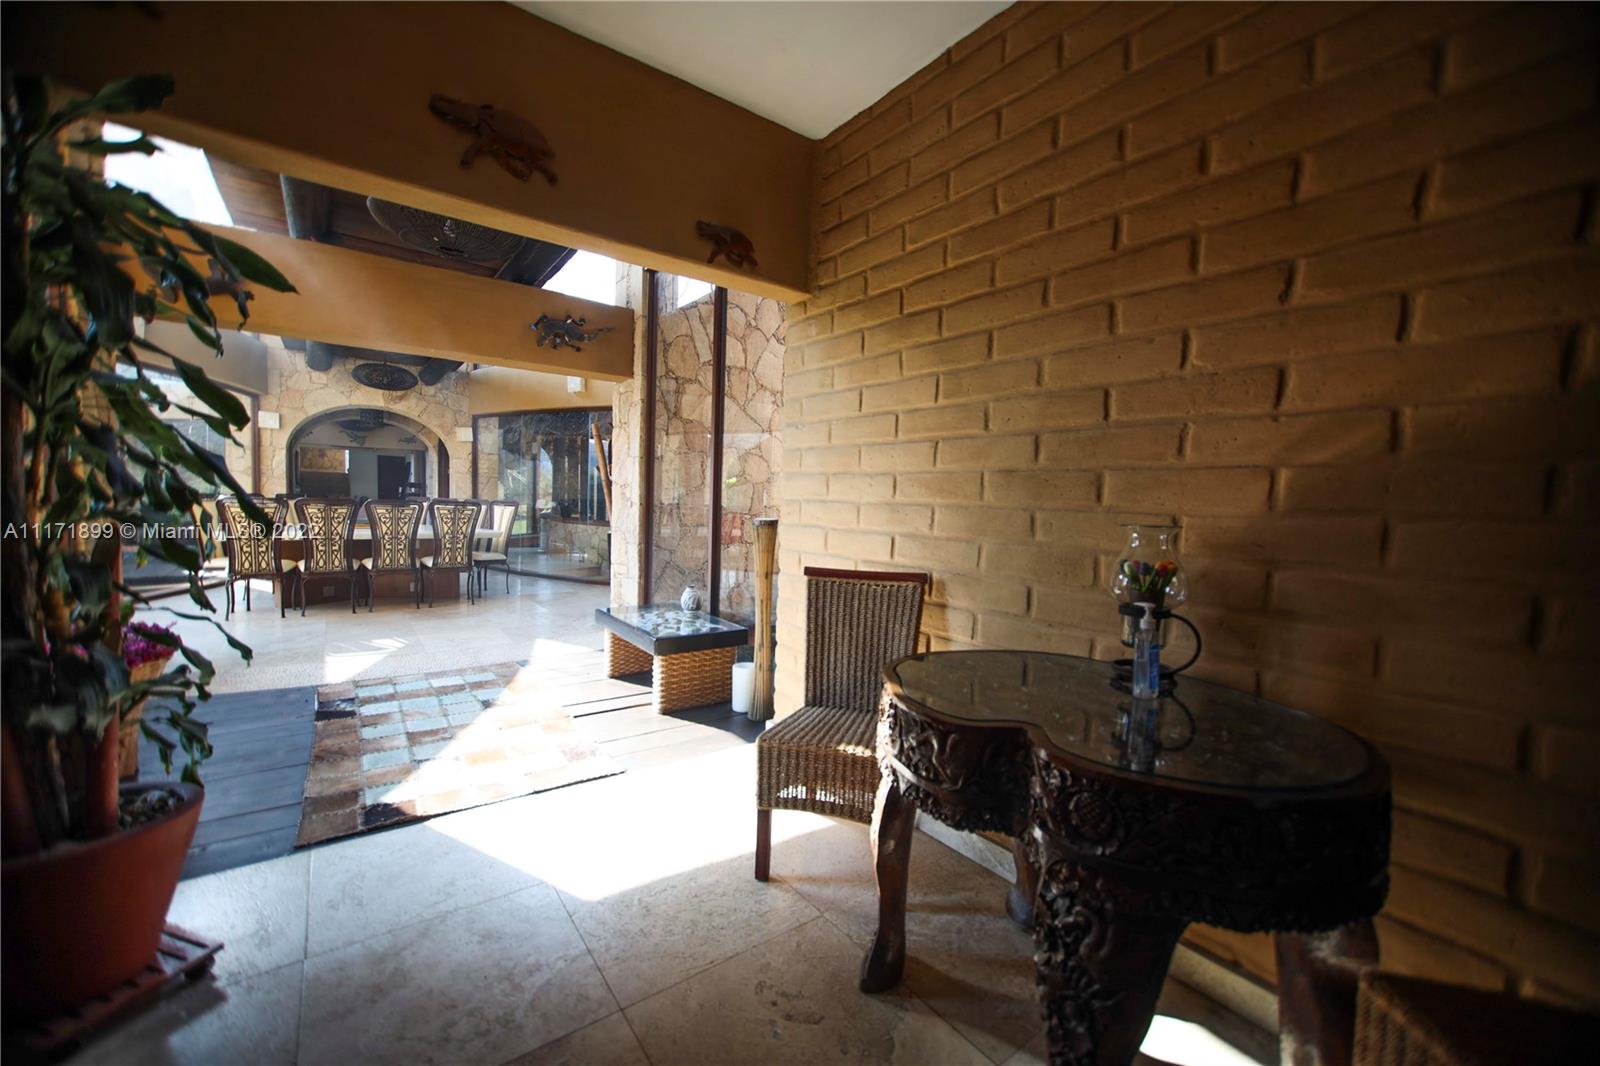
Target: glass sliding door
[549,463]
[752,406]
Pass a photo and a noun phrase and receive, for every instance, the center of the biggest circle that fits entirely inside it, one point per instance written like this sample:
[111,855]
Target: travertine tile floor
[614,922]
[537,619]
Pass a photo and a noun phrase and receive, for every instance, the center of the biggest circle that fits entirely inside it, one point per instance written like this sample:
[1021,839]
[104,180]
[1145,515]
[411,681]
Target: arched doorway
[365,451]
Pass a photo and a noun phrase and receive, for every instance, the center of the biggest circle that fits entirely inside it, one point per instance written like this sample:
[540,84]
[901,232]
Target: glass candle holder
[1148,571]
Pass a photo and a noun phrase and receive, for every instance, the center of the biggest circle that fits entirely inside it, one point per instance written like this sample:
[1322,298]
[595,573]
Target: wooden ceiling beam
[371,301]
[338,94]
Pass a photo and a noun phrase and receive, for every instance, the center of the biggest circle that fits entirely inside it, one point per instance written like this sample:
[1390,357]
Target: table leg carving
[893,815]
[1317,977]
[1100,969]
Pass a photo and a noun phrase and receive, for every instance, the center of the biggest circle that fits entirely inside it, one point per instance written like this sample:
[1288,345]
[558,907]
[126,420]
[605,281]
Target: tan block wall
[1321,283]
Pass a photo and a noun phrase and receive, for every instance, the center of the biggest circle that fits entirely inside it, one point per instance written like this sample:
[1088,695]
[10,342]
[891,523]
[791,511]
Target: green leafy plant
[86,453]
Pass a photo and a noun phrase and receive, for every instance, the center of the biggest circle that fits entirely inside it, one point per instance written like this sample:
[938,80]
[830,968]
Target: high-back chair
[455,524]
[823,757]
[394,525]
[252,549]
[327,530]
[493,550]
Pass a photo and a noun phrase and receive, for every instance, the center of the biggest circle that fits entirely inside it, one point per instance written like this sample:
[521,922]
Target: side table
[689,653]
[1133,820]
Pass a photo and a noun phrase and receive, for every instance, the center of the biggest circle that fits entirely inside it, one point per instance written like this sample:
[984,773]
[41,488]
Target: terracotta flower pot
[82,918]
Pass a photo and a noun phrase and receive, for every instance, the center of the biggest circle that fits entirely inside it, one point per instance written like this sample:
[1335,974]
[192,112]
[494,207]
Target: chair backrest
[455,523]
[857,622]
[502,518]
[394,533]
[209,521]
[250,545]
[327,526]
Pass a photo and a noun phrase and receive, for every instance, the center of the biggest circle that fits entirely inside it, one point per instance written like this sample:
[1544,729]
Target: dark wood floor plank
[247,824]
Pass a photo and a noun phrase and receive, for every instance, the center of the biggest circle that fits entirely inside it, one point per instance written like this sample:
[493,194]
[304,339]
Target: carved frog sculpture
[729,243]
[565,332]
[515,143]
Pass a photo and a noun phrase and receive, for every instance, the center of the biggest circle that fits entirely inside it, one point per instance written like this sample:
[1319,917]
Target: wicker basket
[128,729]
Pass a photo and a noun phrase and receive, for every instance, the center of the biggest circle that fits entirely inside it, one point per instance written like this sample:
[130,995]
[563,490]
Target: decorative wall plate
[385,376]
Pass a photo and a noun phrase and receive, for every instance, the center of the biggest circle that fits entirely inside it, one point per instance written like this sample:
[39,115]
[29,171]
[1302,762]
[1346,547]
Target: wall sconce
[464,434]
[577,385]
[268,419]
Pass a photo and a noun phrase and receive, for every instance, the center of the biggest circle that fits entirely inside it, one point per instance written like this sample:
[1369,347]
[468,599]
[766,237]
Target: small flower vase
[1149,571]
[690,600]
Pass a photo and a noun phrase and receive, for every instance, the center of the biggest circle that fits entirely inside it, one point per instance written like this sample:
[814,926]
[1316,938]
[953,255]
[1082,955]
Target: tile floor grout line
[726,958]
[432,916]
[904,985]
[589,951]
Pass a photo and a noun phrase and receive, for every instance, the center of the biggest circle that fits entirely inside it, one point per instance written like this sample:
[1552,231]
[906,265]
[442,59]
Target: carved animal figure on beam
[515,143]
[221,283]
[729,243]
[565,332]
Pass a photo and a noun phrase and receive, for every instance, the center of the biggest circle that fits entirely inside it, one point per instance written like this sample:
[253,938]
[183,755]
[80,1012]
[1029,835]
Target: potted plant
[89,868]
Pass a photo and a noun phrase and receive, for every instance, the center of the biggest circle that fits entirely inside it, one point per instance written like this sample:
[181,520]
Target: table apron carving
[1113,866]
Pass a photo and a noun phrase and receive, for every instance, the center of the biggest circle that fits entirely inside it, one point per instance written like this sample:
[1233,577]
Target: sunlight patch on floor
[699,814]
[344,665]
[1182,1043]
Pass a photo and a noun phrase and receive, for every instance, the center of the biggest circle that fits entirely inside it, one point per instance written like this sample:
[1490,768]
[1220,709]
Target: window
[588,277]
[690,290]
[178,175]
[238,458]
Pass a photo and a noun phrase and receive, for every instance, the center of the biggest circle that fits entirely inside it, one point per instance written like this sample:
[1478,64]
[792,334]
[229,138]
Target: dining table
[335,588]
[1131,819]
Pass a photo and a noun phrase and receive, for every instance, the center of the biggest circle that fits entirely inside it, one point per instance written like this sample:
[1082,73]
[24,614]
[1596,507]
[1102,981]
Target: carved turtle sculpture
[567,332]
[515,143]
[729,243]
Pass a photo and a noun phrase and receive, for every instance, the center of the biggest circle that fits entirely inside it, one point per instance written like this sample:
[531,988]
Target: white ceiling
[806,65]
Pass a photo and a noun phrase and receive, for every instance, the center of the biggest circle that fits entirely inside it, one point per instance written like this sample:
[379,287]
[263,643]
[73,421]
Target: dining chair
[455,524]
[253,549]
[494,540]
[823,757]
[327,530]
[213,543]
[394,525]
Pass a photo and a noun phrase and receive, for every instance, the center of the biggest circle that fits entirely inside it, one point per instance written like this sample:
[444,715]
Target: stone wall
[678,549]
[752,417]
[627,423]
[297,393]
[1320,282]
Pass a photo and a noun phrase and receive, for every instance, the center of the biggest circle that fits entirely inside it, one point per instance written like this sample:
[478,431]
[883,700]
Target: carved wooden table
[1132,821]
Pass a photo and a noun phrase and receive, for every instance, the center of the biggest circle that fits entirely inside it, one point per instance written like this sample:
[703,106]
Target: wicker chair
[823,757]
[455,524]
[327,530]
[252,549]
[394,526]
[492,549]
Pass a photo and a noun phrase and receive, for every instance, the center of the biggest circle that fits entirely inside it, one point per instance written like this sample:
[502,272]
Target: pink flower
[138,648]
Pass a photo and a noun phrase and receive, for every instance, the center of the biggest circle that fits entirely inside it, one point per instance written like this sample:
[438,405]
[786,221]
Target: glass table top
[1202,733]
[668,621]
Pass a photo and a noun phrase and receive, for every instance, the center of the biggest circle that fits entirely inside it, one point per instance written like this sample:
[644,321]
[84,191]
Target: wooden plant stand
[182,956]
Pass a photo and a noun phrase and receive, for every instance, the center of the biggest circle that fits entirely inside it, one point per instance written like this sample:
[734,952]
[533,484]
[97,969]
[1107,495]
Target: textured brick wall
[1321,283]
